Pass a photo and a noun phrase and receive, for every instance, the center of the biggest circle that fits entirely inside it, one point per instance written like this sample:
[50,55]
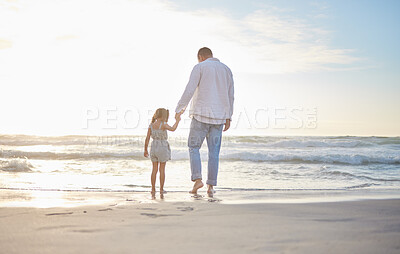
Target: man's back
[212,94]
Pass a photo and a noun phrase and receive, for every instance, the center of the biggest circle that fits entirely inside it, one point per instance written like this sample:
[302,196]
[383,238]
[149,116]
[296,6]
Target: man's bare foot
[197,185]
[210,190]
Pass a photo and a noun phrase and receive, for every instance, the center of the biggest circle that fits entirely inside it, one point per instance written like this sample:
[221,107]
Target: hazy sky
[102,67]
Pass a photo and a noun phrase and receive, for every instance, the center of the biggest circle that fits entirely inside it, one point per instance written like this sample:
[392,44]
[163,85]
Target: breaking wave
[16,165]
[227,155]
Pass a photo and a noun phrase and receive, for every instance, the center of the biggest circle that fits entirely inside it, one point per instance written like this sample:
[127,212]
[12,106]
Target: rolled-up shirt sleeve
[189,90]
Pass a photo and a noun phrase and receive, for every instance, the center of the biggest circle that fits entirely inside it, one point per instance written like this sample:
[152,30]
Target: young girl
[160,152]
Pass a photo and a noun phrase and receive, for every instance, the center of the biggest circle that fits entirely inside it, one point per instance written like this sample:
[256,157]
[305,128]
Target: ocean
[247,163]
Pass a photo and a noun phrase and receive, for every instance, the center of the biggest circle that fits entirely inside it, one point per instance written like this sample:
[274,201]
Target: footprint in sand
[147,208]
[212,200]
[185,209]
[153,215]
[51,214]
[57,227]
[197,197]
[86,230]
[105,209]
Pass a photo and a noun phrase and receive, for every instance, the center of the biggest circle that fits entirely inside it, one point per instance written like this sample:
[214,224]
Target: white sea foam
[329,156]
[16,165]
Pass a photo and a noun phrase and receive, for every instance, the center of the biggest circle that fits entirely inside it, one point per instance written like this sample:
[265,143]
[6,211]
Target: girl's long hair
[160,113]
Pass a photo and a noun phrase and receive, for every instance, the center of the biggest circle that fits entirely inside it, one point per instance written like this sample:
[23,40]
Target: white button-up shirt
[211,86]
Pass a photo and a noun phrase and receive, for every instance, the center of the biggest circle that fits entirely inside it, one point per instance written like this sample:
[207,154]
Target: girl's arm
[173,128]
[146,143]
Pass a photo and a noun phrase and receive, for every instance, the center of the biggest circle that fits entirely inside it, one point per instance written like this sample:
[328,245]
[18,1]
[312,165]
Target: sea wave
[70,156]
[16,165]
[325,157]
[317,143]
[70,140]
[336,173]
[252,141]
[352,159]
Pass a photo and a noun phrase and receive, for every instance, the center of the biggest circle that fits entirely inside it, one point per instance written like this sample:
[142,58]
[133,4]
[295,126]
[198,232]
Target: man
[211,86]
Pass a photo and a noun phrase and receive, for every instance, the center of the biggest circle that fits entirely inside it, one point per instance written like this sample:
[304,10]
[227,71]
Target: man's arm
[189,90]
[231,99]
[231,95]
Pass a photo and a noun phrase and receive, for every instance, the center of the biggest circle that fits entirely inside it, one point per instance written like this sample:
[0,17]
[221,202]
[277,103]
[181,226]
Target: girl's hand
[178,115]
[146,153]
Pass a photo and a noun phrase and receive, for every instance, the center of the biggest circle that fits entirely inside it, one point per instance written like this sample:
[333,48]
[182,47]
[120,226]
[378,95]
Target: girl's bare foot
[197,185]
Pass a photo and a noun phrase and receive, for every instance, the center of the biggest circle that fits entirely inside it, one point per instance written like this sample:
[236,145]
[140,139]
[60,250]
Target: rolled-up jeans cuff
[212,182]
[196,177]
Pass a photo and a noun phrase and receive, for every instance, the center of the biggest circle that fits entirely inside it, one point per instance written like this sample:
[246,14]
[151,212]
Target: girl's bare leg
[162,176]
[154,177]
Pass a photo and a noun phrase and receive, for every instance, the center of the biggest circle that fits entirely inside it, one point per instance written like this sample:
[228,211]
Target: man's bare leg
[210,189]
[197,185]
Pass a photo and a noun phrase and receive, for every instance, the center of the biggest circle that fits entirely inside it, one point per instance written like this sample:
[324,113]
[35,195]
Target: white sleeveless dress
[160,150]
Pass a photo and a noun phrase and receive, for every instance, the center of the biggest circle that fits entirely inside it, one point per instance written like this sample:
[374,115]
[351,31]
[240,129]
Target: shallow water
[248,163]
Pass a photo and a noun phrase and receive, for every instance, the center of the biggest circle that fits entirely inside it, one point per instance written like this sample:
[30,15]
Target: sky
[102,67]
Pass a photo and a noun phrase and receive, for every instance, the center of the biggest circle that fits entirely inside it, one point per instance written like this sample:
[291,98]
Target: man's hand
[178,115]
[227,124]
[146,153]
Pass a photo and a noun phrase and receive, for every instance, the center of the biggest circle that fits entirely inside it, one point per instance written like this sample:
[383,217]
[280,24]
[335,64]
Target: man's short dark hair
[205,52]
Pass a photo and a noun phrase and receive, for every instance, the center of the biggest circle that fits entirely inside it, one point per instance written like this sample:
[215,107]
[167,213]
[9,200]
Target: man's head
[203,54]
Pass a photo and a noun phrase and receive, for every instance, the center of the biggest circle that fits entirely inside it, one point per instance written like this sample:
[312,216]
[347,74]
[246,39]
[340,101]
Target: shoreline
[75,198]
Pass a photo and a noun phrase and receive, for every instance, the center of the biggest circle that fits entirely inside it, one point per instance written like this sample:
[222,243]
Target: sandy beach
[129,224]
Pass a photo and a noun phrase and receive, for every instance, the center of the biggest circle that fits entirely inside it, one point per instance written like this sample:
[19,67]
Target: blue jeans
[213,133]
